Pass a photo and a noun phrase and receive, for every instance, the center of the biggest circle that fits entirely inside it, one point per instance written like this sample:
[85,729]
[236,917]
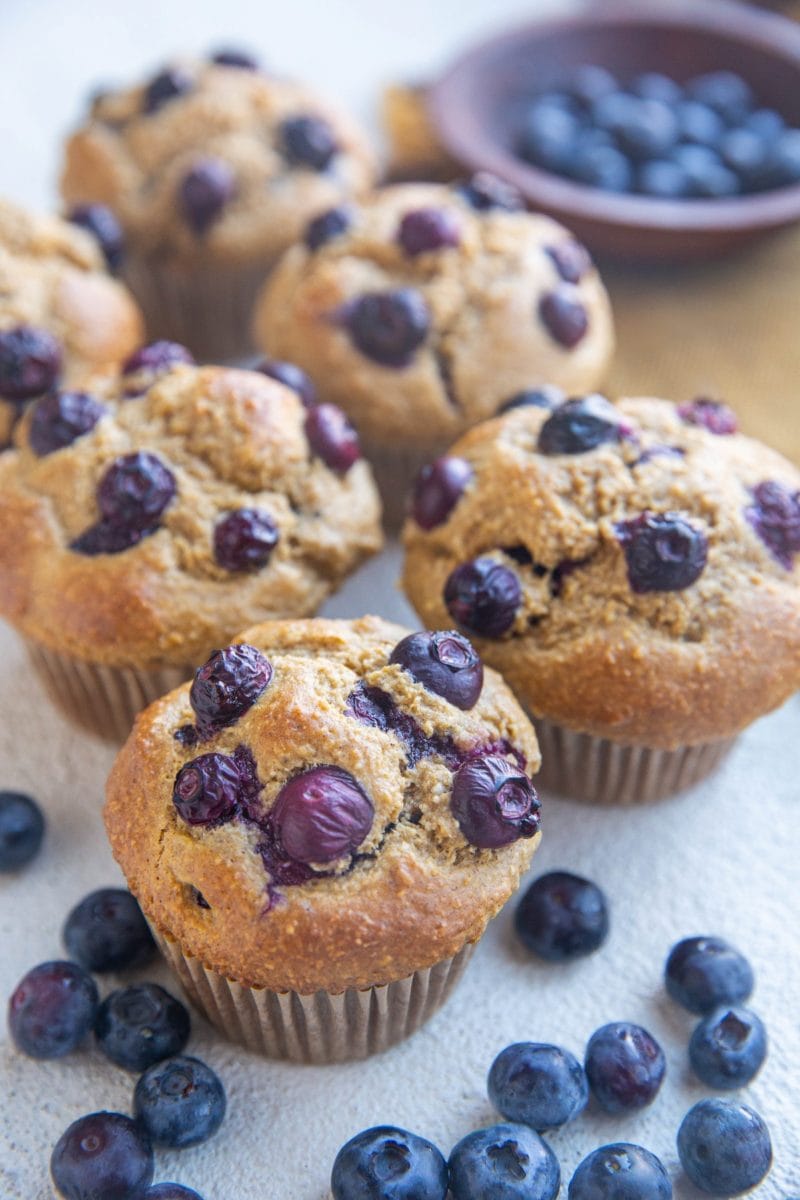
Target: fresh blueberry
[205,190]
[157,357]
[389,326]
[562,916]
[485,192]
[766,122]
[290,376]
[52,1009]
[171,1191]
[775,516]
[571,259]
[724,1147]
[620,1172]
[386,1163]
[504,1162]
[59,418]
[664,179]
[564,316]
[580,425]
[483,596]
[233,57]
[544,397]
[135,490]
[180,1102]
[332,438]
[327,226]
[103,1156]
[588,82]
[99,220]
[652,85]
[308,142]
[168,85]
[747,154]
[703,973]
[705,172]
[785,160]
[494,802]
[207,790]
[625,1067]
[21,830]
[228,684]
[321,815]
[712,415]
[427,229]
[107,932]
[438,488]
[445,663]
[664,552]
[539,1085]
[645,128]
[139,1025]
[724,91]
[700,124]
[601,165]
[548,136]
[728,1048]
[244,539]
[30,362]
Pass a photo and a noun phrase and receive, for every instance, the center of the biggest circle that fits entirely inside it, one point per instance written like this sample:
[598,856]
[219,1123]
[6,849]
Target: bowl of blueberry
[667,131]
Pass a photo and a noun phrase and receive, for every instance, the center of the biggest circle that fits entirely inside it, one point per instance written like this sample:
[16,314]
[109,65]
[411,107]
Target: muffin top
[632,569]
[425,307]
[61,316]
[330,804]
[147,519]
[216,159]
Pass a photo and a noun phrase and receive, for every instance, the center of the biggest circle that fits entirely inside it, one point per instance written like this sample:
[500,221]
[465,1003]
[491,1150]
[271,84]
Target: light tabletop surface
[720,859]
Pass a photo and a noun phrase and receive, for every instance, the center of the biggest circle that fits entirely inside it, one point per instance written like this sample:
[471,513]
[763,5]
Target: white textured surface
[721,860]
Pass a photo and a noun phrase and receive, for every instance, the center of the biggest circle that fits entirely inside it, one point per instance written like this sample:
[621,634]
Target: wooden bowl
[472,106]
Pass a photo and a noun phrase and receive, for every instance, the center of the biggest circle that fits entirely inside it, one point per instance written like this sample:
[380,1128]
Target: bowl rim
[465,137]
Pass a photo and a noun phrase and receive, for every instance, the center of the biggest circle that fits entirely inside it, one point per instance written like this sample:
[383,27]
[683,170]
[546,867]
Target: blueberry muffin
[425,308]
[632,569]
[212,168]
[61,317]
[321,825]
[144,520]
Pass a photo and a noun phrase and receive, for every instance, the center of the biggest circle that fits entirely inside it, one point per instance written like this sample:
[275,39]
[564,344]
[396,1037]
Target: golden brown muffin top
[146,521]
[425,307]
[335,822]
[217,161]
[634,569]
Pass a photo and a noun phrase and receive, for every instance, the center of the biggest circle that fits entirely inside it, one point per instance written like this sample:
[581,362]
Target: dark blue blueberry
[580,425]
[485,192]
[698,123]
[168,85]
[620,1172]
[207,790]
[724,91]
[244,539]
[588,83]
[139,1025]
[540,1085]
[602,166]
[504,1162]
[231,57]
[664,552]
[328,226]
[103,1156]
[652,85]
[290,376]
[59,418]
[775,516]
[389,326]
[101,222]
[703,973]
[205,190]
[483,596]
[706,173]
[157,357]
[135,490]
[30,362]
[544,397]
[386,1163]
[424,230]
[332,438]
[724,1147]
[562,916]
[494,802]
[438,488]
[564,316]
[728,1048]
[547,137]
[171,1191]
[308,142]
[21,830]
[321,815]
[445,663]
[180,1102]
[107,932]
[52,1009]
[228,684]
[625,1067]
[664,179]
[108,538]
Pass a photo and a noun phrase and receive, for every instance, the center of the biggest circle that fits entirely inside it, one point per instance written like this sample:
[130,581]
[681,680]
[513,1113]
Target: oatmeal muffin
[212,168]
[633,570]
[321,826]
[61,317]
[147,519]
[425,307]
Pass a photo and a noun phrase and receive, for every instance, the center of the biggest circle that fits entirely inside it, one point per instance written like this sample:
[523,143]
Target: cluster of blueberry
[705,139]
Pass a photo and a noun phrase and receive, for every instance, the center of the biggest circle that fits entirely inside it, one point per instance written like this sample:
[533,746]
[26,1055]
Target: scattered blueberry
[483,597]
[562,916]
[775,516]
[180,1102]
[724,1147]
[504,1162]
[321,815]
[30,362]
[244,539]
[664,552]
[52,1009]
[494,802]
[544,397]
[204,191]
[327,226]
[290,376]
[232,57]
[580,425]
[438,488]
[228,684]
[157,357]
[139,1025]
[59,418]
[308,142]
[564,317]
[703,973]
[332,438]
[539,1085]
[100,221]
[445,663]
[207,789]
[386,1163]
[168,85]
[485,192]
[426,229]
[728,1048]
[625,1067]
[620,1172]
[21,830]
[103,1156]
[389,326]
[712,415]
[107,932]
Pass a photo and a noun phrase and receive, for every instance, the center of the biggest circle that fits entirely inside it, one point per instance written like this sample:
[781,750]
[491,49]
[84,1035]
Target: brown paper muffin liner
[598,771]
[206,308]
[322,1027]
[395,472]
[103,700]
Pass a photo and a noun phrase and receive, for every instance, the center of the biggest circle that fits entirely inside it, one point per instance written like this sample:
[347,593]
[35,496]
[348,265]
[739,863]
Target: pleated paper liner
[103,700]
[598,771]
[323,1027]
